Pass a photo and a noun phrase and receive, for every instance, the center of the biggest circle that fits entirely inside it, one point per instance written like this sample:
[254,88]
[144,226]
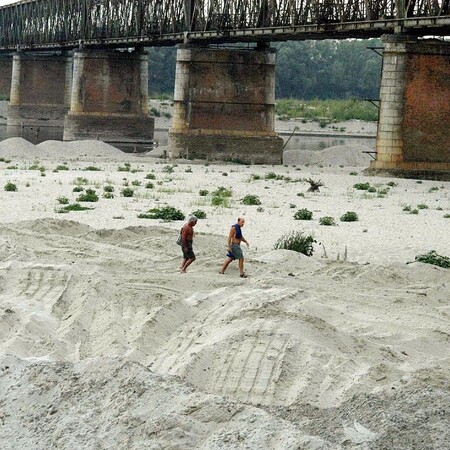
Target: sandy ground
[104,344]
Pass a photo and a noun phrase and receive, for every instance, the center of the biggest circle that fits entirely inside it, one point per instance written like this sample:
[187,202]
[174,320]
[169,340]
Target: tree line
[305,70]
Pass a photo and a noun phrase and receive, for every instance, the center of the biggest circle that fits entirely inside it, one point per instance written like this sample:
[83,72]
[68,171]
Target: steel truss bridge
[66,24]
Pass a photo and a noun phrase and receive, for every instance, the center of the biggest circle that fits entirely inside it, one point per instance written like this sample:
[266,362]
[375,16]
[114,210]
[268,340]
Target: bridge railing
[66,22]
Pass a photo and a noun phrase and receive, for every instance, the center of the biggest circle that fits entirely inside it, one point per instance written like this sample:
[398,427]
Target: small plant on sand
[300,194]
[168,169]
[327,221]
[222,192]
[88,196]
[60,168]
[188,170]
[63,200]
[422,206]
[136,183]
[296,241]
[433,189]
[362,186]
[220,201]
[92,169]
[407,208]
[127,192]
[37,167]
[353,173]
[392,184]
[149,185]
[167,213]
[108,195]
[349,216]
[314,185]
[78,189]
[251,200]
[10,187]
[150,176]
[12,167]
[108,188]
[446,216]
[199,214]
[433,258]
[203,192]
[255,177]
[303,214]
[72,207]
[260,209]
[81,181]
[125,168]
[414,211]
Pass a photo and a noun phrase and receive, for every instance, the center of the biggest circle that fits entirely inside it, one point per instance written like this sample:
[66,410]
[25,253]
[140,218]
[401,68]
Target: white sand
[104,344]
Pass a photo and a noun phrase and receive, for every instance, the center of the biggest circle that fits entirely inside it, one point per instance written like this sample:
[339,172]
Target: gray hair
[192,219]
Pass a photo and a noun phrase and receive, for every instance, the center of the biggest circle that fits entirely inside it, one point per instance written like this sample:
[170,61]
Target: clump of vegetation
[314,185]
[150,176]
[88,196]
[222,192]
[168,169]
[251,200]
[136,183]
[72,207]
[199,214]
[353,173]
[433,189]
[435,259]
[92,168]
[108,195]
[203,192]
[349,216]
[10,187]
[127,192]
[149,185]
[392,184]
[407,208]
[446,216]
[167,213]
[37,167]
[303,214]
[296,241]
[61,167]
[255,177]
[327,221]
[63,200]
[125,168]
[78,189]
[108,188]
[362,186]
[260,209]
[422,206]
[220,197]
[188,170]
[414,211]
[81,181]
[273,176]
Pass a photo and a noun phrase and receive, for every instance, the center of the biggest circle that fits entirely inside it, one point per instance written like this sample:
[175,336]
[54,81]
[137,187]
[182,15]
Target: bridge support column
[40,87]
[5,76]
[109,98]
[224,106]
[414,122]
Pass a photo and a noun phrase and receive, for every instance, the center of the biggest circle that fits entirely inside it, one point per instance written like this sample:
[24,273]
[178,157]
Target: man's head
[192,221]
[241,221]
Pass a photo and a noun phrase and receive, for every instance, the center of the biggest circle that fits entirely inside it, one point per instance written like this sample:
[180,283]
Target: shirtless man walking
[235,238]
[187,237]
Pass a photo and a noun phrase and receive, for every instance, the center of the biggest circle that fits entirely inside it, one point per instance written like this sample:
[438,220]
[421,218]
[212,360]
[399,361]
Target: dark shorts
[236,252]
[188,252]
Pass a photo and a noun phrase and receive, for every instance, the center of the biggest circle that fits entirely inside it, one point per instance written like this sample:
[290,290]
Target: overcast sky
[6,2]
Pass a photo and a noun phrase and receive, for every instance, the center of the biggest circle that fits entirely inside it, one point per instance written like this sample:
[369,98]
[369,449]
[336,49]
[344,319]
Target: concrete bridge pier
[224,105]
[109,99]
[413,137]
[40,89]
[6,62]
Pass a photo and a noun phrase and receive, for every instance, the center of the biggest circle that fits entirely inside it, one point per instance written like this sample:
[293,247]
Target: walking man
[187,237]
[235,238]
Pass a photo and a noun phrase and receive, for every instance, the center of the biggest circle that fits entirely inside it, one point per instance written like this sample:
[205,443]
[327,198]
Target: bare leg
[187,264]
[241,266]
[183,262]
[226,264]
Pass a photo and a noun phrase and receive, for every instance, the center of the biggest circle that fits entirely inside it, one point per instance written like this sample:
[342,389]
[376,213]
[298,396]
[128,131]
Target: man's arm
[230,238]
[184,236]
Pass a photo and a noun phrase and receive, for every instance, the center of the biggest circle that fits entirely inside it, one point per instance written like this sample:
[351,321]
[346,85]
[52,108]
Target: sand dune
[104,344]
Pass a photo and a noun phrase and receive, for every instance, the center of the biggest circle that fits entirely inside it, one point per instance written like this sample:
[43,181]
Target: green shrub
[199,214]
[296,241]
[150,176]
[166,213]
[149,185]
[72,207]
[136,183]
[353,173]
[78,189]
[414,211]
[12,167]
[446,216]
[362,186]
[220,201]
[433,189]
[81,181]
[127,192]
[92,168]
[125,168]
[108,195]
[88,196]
[222,192]
[10,187]
[108,188]
[63,200]
[407,208]
[168,169]
[260,209]
[303,214]
[203,192]
[61,167]
[349,216]
[37,167]
[251,200]
[392,184]
[256,177]
[327,221]
[422,206]
[433,258]
[372,189]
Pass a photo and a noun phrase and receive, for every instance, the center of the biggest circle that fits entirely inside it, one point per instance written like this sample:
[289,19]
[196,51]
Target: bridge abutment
[5,76]
[109,99]
[414,127]
[40,87]
[224,105]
